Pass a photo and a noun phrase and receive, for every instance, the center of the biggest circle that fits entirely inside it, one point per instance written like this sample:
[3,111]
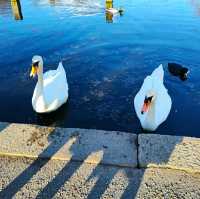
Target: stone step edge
[156,166]
[56,158]
[150,166]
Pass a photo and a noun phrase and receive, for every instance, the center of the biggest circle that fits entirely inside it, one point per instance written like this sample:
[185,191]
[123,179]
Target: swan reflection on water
[76,7]
[56,118]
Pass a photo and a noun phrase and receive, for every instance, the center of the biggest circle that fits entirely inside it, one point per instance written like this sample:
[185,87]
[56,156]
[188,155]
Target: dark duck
[178,70]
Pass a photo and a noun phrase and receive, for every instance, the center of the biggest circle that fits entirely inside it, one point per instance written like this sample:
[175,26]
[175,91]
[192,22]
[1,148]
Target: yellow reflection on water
[16,9]
[109,17]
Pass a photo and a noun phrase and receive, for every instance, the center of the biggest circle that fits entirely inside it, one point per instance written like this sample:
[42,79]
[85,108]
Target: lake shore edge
[112,148]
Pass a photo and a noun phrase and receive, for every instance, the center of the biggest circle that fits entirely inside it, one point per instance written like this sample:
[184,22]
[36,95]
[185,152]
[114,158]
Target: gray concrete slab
[41,178]
[169,151]
[90,146]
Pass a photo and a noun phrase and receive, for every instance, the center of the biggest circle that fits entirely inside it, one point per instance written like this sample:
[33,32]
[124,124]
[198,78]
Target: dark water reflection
[105,62]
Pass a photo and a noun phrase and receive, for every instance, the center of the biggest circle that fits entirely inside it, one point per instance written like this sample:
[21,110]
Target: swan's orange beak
[34,70]
[145,107]
[147,104]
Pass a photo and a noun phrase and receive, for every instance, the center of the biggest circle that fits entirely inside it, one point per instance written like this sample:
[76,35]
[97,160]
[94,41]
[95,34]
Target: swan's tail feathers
[159,72]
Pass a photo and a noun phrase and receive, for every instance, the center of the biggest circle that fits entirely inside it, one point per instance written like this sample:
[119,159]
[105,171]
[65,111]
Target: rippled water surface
[105,61]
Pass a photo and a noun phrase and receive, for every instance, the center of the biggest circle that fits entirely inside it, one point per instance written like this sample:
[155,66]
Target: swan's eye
[35,64]
[148,99]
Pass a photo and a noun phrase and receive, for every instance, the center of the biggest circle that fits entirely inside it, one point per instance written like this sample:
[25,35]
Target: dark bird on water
[178,70]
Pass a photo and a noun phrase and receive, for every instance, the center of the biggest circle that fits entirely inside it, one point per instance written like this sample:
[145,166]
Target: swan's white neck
[40,78]
[40,91]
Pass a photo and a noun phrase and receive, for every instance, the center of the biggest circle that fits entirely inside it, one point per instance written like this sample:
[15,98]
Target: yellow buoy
[109,4]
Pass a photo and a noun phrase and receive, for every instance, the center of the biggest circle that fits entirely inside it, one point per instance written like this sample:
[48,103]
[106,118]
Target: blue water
[105,62]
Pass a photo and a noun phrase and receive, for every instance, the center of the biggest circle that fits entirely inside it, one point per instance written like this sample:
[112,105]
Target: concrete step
[90,146]
[104,147]
[175,152]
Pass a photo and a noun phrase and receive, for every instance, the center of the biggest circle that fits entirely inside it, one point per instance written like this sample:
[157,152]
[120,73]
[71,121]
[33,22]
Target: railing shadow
[28,173]
[105,175]
[97,152]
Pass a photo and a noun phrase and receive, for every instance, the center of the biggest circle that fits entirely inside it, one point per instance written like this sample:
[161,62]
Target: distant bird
[152,103]
[51,90]
[115,11]
[178,70]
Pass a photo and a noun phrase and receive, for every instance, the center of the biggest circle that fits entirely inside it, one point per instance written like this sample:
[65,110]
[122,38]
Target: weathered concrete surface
[169,151]
[26,178]
[91,146]
[169,184]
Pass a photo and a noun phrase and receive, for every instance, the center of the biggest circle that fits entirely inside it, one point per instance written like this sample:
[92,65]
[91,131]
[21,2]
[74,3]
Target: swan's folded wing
[163,105]
[56,87]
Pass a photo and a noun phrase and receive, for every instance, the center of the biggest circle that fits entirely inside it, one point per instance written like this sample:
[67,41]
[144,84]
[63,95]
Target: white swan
[153,103]
[51,90]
